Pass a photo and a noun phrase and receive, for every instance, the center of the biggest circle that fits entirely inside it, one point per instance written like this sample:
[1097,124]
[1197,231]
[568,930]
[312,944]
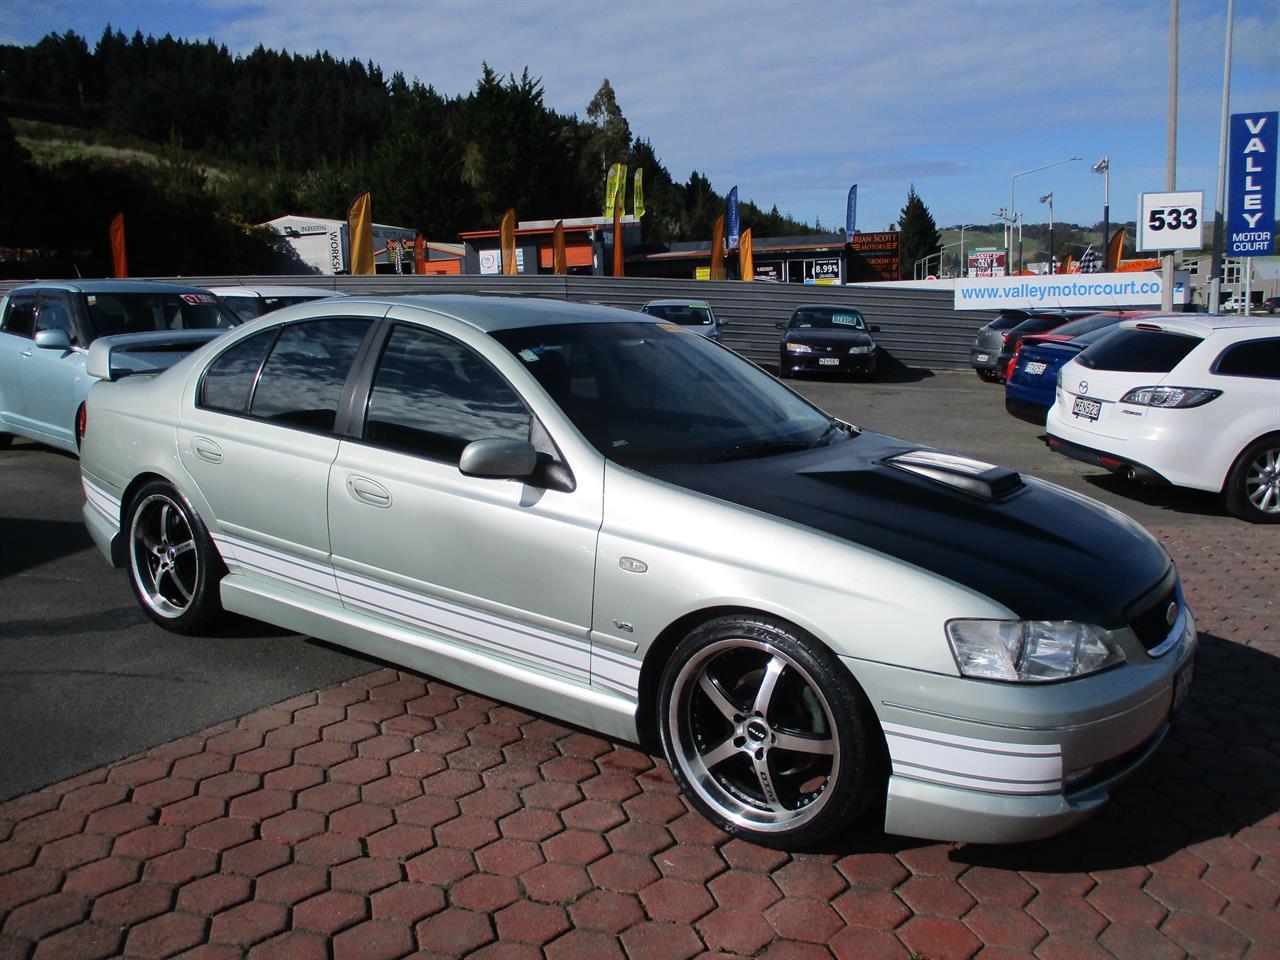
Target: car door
[257,438]
[502,567]
[1248,374]
[51,379]
[17,327]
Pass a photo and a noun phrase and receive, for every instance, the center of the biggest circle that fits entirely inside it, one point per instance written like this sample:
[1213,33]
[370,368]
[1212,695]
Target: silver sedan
[610,519]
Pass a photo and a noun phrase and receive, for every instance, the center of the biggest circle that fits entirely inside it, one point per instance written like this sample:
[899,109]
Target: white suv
[1193,401]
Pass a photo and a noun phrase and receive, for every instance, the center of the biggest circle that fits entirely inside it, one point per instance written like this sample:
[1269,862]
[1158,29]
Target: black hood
[1044,553]
[832,337]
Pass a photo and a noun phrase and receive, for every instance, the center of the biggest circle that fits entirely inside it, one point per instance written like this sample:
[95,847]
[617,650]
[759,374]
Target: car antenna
[77,266]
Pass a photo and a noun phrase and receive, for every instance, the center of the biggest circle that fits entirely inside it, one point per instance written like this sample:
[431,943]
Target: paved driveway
[389,813]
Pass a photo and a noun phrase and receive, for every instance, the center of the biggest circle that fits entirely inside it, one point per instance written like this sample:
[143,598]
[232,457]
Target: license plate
[1182,684]
[1035,369]
[982,357]
[1089,409]
[828,361]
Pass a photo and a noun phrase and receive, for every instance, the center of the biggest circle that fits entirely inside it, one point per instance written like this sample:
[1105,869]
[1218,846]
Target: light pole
[1215,268]
[1013,188]
[1048,198]
[1171,152]
[1103,167]
[963,263]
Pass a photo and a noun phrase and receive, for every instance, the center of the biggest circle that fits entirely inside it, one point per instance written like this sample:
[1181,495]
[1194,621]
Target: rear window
[1139,351]
[1086,325]
[1038,325]
[685,314]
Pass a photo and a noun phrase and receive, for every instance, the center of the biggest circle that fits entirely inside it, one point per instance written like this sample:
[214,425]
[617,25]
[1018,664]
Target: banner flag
[508,241]
[118,259]
[1068,265]
[420,254]
[617,239]
[1115,250]
[733,224]
[851,214]
[559,261]
[637,194]
[717,250]
[746,261]
[360,235]
[615,188]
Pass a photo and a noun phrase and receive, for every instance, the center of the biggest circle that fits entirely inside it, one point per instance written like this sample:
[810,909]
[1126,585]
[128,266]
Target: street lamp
[1103,167]
[1013,197]
[1048,198]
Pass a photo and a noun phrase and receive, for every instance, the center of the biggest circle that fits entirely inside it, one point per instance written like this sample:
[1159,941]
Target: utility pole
[1048,198]
[1171,151]
[1103,167]
[1219,226]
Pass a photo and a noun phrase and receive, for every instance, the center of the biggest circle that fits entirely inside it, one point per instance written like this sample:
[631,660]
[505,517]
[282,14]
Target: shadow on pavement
[1176,499]
[26,543]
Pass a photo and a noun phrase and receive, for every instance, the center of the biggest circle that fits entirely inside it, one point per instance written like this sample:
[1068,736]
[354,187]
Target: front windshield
[113,313]
[654,393]
[827,318]
[685,314]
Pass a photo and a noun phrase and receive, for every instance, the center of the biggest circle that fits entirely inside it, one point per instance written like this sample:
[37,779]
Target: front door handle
[206,449]
[367,491]
[27,352]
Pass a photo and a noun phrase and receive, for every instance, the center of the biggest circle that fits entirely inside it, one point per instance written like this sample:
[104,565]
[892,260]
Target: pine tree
[920,237]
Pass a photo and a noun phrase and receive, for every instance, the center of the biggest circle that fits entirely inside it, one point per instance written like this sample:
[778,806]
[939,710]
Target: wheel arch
[1240,452]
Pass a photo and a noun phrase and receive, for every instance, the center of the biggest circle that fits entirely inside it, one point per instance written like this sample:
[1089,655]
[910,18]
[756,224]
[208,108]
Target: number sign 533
[1170,221]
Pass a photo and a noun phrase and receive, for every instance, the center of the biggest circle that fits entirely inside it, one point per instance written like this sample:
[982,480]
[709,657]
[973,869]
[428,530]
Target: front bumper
[864,364]
[987,762]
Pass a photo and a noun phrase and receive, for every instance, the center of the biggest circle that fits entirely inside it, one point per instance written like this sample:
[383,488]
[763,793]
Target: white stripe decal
[101,500]
[990,765]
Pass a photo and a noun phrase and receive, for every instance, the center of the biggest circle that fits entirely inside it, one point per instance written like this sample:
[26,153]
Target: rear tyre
[1253,489]
[766,732]
[989,376]
[173,567]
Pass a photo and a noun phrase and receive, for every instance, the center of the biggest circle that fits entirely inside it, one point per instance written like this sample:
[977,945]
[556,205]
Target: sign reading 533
[1170,221]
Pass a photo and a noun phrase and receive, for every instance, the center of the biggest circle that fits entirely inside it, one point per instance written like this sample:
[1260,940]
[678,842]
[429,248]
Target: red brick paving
[393,814]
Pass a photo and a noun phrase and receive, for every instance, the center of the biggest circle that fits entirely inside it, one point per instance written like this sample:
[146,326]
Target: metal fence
[918,328]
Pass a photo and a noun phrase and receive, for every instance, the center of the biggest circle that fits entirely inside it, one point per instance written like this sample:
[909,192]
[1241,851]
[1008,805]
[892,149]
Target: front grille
[1152,625]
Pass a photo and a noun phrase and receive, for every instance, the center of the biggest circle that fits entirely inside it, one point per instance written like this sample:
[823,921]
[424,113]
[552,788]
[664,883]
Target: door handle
[367,491]
[206,449]
[27,352]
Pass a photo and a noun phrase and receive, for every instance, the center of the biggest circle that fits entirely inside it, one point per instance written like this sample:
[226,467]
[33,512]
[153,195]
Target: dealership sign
[987,262]
[1067,290]
[1251,197]
[1171,221]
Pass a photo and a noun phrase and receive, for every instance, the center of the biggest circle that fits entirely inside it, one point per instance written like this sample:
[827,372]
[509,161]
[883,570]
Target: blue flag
[731,221]
[851,214]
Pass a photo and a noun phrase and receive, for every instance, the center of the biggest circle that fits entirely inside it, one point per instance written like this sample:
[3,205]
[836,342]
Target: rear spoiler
[111,358]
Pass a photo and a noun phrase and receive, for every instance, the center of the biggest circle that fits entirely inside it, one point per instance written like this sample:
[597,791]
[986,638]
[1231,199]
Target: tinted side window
[20,316]
[54,313]
[1261,359]
[302,380]
[432,396]
[1139,351]
[229,379]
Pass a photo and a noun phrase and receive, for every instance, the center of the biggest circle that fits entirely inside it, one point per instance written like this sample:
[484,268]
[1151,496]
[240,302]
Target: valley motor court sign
[1251,204]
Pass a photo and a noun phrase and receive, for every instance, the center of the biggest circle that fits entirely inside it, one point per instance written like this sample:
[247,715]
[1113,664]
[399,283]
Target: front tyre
[1253,489]
[173,567]
[767,734]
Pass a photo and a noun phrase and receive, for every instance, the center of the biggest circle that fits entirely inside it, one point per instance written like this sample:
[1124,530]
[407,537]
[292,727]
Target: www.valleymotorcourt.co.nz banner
[1068,290]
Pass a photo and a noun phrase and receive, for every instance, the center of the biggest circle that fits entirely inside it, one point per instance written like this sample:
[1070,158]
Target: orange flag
[746,262]
[419,254]
[559,260]
[508,234]
[717,249]
[617,240]
[360,232]
[1115,250]
[118,258]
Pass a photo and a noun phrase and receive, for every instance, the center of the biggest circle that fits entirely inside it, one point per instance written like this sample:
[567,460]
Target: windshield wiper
[764,448]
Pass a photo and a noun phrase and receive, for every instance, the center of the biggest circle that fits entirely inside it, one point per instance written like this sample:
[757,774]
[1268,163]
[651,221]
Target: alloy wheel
[1262,481]
[166,564]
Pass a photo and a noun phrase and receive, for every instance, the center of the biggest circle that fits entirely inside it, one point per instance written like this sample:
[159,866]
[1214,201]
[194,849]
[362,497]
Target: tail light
[82,423]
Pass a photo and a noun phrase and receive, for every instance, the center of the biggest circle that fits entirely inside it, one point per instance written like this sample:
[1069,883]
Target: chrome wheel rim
[166,564]
[753,735]
[1262,481]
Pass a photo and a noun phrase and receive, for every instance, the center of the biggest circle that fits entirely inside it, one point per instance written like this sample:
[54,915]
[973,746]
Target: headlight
[862,351]
[1030,651]
[799,348]
[1169,396]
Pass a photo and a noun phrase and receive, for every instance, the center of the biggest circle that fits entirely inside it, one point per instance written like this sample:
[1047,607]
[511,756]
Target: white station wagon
[615,521]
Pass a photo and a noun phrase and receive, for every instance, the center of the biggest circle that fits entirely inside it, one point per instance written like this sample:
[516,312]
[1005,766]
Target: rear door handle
[367,491]
[206,449]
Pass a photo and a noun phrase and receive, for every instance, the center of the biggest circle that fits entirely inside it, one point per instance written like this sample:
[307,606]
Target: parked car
[1234,304]
[1069,331]
[992,350]
[1188,400]
[251,302]
[1030,389]
[606,518]
[48,329]
[823,338]
[695,314]
[1271,305]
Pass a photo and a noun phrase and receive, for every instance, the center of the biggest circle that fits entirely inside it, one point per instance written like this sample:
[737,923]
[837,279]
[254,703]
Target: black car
[827,338]
[993,347]
[1271,305]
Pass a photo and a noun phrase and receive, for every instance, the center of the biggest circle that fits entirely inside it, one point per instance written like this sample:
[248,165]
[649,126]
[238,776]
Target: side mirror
[498,459]
[874,328]
[781,324]
[722,323]
[53,340]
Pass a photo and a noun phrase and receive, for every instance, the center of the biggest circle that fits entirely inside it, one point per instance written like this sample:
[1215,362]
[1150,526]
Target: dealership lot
[393,812]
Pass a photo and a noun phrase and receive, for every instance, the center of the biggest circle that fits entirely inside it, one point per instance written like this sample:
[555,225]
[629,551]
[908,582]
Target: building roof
[701,249]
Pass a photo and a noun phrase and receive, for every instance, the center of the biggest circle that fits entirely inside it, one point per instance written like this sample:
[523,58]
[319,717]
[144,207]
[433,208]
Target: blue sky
[795,101]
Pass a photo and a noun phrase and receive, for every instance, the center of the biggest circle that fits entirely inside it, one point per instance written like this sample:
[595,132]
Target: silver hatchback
[624,525]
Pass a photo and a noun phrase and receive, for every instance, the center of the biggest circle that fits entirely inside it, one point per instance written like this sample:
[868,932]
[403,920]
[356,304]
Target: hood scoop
[974,477]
